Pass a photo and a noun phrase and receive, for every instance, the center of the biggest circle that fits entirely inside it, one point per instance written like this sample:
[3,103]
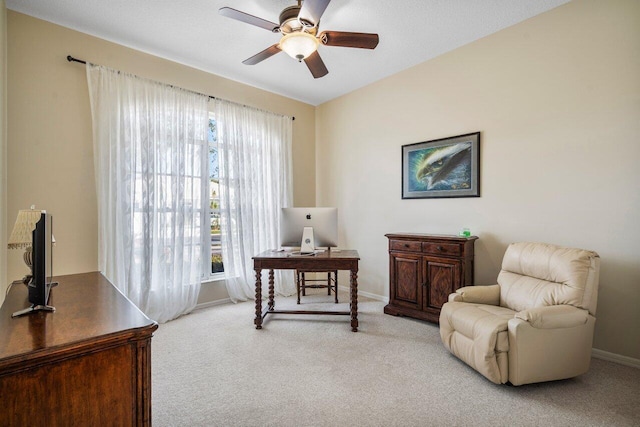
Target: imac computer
[309,228]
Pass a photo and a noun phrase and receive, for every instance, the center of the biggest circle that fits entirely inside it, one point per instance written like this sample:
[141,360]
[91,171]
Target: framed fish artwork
[447,167]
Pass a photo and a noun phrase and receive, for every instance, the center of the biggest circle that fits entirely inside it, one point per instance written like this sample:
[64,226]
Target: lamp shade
[299,45]
[21,235]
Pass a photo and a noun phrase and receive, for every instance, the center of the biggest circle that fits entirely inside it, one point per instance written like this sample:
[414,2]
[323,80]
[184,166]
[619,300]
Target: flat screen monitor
[324,222]
[41,268]
[40,283]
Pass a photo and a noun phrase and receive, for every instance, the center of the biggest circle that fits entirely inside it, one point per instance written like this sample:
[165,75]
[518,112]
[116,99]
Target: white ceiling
[192,32]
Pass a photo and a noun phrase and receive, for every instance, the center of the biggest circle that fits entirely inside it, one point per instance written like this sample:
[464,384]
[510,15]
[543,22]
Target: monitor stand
[307,245]
[32,309]
[35,307]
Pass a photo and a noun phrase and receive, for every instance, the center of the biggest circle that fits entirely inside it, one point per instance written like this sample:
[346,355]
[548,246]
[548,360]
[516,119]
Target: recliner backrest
[541,274]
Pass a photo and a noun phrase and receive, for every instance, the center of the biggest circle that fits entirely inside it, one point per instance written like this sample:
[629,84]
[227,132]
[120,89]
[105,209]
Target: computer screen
[324,222]
[42,261]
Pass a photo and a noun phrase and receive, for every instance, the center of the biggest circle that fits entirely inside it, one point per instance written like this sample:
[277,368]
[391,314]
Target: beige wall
[3,149]
[557,100]
[49,142]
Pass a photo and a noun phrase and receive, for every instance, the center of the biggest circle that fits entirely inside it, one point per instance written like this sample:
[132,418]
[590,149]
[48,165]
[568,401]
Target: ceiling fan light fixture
[299,45]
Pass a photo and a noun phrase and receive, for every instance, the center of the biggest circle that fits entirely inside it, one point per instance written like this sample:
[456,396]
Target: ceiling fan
[300,38]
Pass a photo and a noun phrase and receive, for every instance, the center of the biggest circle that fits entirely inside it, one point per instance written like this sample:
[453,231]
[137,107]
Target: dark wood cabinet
[88,363]
[424,269]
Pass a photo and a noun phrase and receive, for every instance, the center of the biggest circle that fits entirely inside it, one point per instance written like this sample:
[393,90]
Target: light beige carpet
[213,368]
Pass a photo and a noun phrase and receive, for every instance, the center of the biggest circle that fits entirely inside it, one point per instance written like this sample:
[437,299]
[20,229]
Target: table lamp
[21,236]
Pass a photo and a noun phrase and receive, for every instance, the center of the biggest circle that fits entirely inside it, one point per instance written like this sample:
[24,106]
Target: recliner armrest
[477,294]
[554,316]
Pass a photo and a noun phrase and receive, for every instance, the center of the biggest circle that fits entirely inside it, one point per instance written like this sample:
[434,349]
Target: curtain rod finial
[72,59]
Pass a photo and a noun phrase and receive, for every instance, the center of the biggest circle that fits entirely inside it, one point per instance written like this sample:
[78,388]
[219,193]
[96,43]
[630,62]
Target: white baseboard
[366,294]
[342,288]
[617,358]
[212,303]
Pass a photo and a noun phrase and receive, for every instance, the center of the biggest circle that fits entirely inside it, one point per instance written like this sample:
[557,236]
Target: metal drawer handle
[406,245]
[439,248]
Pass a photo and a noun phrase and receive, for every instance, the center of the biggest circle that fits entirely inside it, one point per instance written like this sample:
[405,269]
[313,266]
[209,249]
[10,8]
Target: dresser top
[89,311]
[421,236]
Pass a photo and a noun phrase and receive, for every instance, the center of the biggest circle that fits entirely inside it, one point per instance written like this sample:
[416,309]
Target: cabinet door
[442,278]
[406,280]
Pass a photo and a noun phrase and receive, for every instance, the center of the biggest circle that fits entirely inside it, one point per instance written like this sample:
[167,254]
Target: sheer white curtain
[150,155]
[255,182]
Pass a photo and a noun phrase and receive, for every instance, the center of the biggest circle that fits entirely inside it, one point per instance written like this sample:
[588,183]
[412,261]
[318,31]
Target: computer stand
[32,309]
[36,307]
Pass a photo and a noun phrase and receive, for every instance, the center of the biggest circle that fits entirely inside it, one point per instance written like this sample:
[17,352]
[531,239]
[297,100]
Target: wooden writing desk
[88,363]
[325,261]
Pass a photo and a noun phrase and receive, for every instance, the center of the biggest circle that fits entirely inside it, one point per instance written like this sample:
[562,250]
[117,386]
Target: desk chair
[330,282]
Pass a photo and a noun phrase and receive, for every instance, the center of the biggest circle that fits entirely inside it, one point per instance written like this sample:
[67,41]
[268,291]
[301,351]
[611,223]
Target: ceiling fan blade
[316,65]
[249,19]
[258,57]
[345,39]
[311,11]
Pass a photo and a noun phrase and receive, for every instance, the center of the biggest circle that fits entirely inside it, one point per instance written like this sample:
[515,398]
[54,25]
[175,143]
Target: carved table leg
[258,319]
[354,300]
[271,290]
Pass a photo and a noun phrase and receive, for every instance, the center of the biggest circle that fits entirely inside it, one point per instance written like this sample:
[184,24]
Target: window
[217,267]
[161,215]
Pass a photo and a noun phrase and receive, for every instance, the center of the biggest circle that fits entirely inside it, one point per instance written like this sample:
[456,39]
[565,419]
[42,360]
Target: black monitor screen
[41,261]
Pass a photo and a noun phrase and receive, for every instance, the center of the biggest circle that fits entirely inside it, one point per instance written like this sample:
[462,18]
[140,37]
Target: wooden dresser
[424,269]
[87,363]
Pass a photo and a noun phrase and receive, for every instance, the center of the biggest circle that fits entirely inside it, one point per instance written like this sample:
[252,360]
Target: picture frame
[442,168]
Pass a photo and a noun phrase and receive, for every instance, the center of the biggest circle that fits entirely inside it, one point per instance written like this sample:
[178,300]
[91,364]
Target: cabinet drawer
[405,245]
[441,249]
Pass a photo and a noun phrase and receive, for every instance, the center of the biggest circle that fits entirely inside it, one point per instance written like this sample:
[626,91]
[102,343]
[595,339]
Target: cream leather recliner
[536,324]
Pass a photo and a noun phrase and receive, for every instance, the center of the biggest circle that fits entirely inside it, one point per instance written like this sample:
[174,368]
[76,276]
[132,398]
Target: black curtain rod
[72,59]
